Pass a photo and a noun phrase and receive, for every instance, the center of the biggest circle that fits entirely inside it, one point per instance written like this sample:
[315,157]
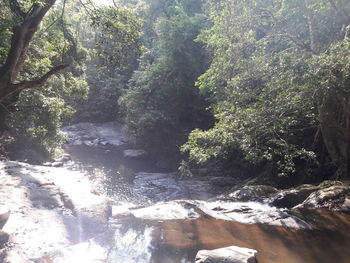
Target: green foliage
[162,104]
[36,118]
[265,75]
[115,45]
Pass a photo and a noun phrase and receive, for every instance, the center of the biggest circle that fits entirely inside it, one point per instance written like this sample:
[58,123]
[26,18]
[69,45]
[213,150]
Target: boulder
[4,216]
[245,213]
[135,154]
[292,197]
[336,197]
[57,164]
[4,238]
[14,257]
[251,193]
[230,254]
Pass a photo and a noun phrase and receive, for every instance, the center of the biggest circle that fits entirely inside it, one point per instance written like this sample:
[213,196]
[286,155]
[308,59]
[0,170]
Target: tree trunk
[22,36]
[334,119]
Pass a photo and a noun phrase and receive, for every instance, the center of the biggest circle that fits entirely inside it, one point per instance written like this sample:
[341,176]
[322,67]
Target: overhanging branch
[33,84]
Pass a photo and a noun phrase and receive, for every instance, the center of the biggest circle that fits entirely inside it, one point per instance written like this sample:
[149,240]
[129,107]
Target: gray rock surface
[47,211]
[4,216]
[335,197]
[230,254]
[292,197]
[94,134]
[135,154]
[250,193]
[4,238]
[244,212]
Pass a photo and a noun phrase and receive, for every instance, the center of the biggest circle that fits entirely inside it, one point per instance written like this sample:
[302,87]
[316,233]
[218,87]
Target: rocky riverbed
[104,201]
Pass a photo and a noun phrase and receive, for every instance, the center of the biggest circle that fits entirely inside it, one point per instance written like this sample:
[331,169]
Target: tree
[278,88]
[27,20]
[162,103]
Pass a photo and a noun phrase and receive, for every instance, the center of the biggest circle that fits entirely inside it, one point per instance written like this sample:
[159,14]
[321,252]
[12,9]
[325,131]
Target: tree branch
[34,83]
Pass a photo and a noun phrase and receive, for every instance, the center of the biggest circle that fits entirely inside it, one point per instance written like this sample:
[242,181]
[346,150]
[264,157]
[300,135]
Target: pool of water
[178,241]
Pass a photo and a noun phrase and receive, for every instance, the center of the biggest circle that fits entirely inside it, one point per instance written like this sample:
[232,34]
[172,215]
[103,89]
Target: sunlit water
[178,241]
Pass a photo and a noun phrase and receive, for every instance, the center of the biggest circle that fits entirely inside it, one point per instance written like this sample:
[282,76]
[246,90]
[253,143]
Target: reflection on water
[178,241]
[329,243]
[110,172]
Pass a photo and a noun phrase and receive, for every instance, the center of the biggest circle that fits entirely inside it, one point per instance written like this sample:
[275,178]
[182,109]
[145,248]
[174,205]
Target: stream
[156,217]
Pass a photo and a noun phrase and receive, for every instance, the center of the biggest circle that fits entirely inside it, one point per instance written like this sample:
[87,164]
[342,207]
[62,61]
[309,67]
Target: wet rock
[64,158]
[292,197]
[135,154]
[4,216]
[4,238]
[251,193]
[14,257]
[57,164]
[176,210]
[334,197]
[48,212]
[245,213]
[230,254]
[93,134]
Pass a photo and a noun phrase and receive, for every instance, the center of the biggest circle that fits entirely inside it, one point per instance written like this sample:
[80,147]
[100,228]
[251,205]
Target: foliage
[115,46]
[162,104]
[35,120]
[262,86]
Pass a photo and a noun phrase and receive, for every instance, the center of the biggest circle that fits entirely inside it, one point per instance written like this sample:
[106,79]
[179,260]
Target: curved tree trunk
[22,36]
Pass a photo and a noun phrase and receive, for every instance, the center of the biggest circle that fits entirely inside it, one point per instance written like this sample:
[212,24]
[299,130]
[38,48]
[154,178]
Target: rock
[135,154]
[176,210]
[64,158]
[92,134]
[4,238]
[335,197]
[251,193]
[4,216]
[14,257]
[231,254]
[245,213]
[158,186]
[292,197]
[47,211]
[57,164]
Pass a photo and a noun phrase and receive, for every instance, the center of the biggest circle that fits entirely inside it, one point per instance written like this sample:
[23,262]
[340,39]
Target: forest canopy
[238,88]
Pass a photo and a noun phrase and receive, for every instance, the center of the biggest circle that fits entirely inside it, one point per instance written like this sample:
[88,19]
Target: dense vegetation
[241,88]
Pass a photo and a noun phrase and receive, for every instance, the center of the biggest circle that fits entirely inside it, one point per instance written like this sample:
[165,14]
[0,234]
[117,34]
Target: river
[164,239]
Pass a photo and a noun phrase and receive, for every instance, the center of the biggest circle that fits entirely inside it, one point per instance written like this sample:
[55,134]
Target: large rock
[4,217]
[93,134]
[245,213]
[136,154]
[231,254]
[51,208]
[292,197]
[250,193]
[4,238]
[335,197]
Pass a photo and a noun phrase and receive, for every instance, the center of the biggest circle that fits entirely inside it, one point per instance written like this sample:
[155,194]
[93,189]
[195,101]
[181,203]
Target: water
[178,241]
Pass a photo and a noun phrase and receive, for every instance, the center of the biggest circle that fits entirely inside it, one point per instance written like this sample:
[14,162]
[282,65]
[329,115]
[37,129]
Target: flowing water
[178,241]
